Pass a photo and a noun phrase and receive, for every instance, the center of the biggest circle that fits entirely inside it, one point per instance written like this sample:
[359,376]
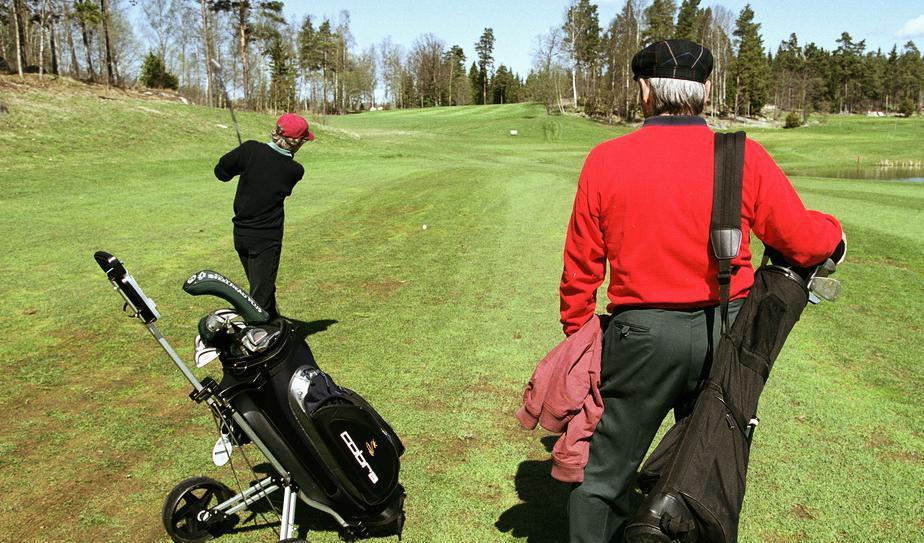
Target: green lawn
[439,328]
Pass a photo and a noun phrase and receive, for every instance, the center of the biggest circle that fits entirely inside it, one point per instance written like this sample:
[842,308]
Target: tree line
[581,65]
[34,34]
[248,48]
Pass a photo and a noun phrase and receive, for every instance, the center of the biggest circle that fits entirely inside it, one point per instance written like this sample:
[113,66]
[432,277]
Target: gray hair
[677,96]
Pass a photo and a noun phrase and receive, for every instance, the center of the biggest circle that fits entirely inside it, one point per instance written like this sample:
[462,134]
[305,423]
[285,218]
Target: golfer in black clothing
[268,175]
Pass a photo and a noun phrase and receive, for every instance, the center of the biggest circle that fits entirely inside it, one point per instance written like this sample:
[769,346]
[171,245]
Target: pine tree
[455,69]
[282,76]
[872,84]
[485,50]
[505,87]
[474,81]
[751,71]
[848,68]
[891,83]
[659,21]
[787,74]
[243,12]
[689,21]
[308,54]
[154,73]
[819,91]
[910,79]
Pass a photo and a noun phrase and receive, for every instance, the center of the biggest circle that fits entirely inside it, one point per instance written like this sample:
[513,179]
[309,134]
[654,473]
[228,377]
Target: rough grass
[439,328]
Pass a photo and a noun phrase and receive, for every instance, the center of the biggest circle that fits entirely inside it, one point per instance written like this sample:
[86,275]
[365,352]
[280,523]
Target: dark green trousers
[653,362]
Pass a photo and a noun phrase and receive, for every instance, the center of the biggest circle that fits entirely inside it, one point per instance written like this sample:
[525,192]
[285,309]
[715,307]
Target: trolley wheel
[184,504]
[350,534]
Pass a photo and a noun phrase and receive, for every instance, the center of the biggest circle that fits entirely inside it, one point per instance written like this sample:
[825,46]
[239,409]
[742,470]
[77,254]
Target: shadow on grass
[543,516]
[308,328]
[264,514]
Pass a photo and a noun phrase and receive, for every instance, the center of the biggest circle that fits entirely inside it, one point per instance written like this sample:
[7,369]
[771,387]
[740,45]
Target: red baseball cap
[294,126]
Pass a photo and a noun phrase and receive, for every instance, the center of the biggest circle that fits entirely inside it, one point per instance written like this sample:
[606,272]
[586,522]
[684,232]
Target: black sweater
[267,178]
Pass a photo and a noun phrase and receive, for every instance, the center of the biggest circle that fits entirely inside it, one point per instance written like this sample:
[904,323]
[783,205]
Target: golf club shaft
[237,128]
[224,92]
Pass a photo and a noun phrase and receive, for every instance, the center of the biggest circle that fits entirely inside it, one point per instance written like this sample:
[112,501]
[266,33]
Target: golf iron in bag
[694,480]
[327,447]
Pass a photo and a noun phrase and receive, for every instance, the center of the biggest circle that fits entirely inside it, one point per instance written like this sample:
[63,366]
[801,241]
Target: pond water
[908,171]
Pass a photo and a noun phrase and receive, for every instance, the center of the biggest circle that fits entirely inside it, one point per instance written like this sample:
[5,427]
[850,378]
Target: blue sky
[516,23]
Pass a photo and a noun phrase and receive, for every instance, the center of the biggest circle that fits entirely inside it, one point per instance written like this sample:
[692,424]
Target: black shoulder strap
[725,229]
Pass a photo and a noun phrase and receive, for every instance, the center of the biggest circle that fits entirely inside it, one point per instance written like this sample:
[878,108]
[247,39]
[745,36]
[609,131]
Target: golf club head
[216,324]
[221,452]
[257,340]
[825,288]
[204,354]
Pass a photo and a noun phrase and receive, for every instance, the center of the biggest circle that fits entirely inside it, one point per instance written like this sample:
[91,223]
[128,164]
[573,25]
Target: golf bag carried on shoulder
[694,481]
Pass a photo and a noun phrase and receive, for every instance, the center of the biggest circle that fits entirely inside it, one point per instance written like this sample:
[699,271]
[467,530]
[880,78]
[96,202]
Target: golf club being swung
[224,92]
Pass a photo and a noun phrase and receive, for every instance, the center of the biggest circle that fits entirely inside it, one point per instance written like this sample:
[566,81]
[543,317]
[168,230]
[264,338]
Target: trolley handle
[216,284]
[143,307]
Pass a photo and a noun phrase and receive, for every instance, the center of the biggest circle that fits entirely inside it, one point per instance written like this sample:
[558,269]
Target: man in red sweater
[644,204]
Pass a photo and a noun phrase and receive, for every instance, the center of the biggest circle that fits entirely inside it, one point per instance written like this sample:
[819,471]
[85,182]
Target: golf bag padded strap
[725,227]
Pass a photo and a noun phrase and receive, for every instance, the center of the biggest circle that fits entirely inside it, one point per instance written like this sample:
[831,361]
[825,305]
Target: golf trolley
[326,445]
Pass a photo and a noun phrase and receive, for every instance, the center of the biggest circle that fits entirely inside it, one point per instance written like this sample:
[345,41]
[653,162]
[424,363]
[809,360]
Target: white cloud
[914,28]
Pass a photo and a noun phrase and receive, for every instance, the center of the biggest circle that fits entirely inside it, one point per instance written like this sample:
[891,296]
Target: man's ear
[645,88]
[708,89]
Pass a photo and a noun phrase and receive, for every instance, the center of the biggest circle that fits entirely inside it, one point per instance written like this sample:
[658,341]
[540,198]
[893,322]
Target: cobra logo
[358,455]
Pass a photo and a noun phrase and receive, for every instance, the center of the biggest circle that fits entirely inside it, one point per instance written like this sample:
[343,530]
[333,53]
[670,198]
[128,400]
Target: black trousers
[260,258]
[653,362]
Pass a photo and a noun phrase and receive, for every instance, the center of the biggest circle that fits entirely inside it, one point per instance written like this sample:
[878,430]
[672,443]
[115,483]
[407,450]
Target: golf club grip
[777,259]
[216,284]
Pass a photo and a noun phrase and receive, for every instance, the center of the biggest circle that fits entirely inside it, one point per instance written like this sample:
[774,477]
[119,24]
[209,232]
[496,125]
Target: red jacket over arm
[644,203]
[563,396]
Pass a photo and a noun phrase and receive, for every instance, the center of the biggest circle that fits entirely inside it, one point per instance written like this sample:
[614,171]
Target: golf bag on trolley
[694,480]
[328,446]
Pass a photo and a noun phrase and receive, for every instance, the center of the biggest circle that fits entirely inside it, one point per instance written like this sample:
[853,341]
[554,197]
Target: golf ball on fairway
[424,227]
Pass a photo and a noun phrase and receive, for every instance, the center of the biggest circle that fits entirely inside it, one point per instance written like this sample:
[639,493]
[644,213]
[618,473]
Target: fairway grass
[439,327]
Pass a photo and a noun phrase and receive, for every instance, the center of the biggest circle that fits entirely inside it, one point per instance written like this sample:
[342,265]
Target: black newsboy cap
[674,59]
